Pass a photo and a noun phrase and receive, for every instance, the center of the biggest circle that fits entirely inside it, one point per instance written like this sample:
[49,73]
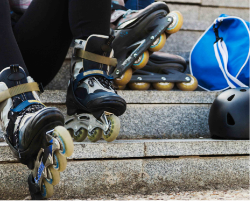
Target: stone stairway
[164,143]
[163,146]
[138,166]
[156,114]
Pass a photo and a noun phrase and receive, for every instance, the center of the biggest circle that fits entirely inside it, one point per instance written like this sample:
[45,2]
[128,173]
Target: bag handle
[224,52]
[221,45]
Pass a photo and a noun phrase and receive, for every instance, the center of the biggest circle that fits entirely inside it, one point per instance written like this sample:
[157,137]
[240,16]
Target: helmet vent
[231,97]
[230,120]
[243,90]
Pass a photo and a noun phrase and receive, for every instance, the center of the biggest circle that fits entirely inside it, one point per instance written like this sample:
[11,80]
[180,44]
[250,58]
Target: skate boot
[138,34]
[92,103]
[163,70]
[34,132]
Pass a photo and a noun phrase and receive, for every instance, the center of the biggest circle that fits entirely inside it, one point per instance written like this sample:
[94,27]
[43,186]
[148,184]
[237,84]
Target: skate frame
[141,46]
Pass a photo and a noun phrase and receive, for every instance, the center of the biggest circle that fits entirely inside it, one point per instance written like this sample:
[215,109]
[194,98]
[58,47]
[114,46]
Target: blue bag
[220,59]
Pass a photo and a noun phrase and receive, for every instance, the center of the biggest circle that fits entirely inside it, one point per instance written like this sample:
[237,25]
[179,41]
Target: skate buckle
[117,72]
[163,78]
[152,37]
[139,78]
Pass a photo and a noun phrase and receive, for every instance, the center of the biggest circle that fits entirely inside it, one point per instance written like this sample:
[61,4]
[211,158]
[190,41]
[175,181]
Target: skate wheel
[125,78]
[141,61]
[139,85]
[95,136]
[159,43]
[47,189]
[114,129]
[163,86]
[80,135]
[65,140]
[54,175]
[188,86]
[121,87]
[60,161]
[177,22]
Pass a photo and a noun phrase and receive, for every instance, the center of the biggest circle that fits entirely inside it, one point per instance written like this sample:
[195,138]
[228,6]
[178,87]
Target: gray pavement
[233,195]
[230,195]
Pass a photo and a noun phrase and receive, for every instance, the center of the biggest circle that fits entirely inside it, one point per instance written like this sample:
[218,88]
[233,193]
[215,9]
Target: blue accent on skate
[64,150]
[49,181]
[50,147]
[140,60]
[57,164]
[81,76]
[40,171]
[44,190]
[25,104]
[123,33]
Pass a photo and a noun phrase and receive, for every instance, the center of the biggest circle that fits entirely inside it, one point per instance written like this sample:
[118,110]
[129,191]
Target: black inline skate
[34,132]
[138,34]
[92,102]
[163,70]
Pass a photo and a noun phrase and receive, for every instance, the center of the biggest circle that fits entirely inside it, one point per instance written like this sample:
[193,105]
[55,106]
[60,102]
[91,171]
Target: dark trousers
[39,41]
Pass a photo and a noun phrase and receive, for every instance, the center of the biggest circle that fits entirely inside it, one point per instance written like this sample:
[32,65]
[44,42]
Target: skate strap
[25,104]
[96,58]
[22,88]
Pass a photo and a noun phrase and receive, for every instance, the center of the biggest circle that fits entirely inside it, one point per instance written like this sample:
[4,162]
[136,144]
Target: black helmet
[229,115]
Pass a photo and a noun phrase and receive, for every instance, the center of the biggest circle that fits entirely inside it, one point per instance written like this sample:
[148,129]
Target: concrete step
[156,114]
[138,166]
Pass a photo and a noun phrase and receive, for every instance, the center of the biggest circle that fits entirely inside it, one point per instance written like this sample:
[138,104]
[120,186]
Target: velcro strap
[96,58]
[22,88]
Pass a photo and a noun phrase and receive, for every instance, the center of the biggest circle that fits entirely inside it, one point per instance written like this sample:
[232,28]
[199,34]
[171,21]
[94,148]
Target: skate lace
[128,12]
[30,109]
[103,81]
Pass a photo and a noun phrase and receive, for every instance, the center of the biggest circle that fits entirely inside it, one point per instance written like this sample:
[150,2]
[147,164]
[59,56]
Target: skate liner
[92,102]
[34,132]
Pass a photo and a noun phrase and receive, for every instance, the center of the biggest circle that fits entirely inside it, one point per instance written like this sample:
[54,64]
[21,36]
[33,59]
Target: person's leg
[43,35]
[90,20]
[9,50]
[89,17]
[90,89]
[34,132]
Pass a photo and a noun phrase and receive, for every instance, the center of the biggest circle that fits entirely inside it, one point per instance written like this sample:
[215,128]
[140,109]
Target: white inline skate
[34,132]
[92,103]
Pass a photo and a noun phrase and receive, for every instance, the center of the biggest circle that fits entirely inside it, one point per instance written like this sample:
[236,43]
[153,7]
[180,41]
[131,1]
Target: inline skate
[138,34]
[92,102]
[34,132]
[163,70]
